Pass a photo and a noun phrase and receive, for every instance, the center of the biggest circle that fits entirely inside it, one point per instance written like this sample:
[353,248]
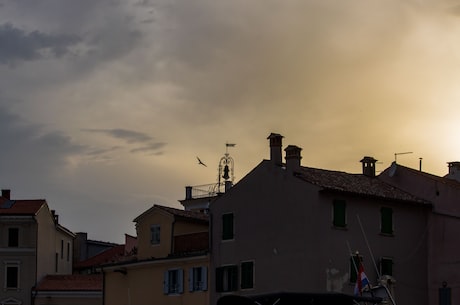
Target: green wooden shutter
[386,222]
[339,213]
[227,226]
[247,275]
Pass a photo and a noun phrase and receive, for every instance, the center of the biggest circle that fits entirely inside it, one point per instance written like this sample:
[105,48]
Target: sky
[105,105]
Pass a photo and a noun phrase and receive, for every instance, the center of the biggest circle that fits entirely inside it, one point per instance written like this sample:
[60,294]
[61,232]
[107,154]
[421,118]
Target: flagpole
[368,247]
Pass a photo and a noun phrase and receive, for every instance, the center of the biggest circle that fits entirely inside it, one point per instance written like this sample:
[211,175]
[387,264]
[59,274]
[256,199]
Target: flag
[361,281]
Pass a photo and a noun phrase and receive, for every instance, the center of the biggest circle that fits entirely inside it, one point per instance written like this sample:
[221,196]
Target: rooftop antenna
[226,166]
[402,153]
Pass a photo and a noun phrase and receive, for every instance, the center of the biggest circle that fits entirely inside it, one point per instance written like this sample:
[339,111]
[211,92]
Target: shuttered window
[227,226]
[247,275]
[386,220]
[198,279]
[227,278]
[173,281]
[339,217]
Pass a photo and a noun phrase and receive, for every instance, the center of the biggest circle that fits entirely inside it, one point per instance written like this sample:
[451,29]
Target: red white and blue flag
[361,281]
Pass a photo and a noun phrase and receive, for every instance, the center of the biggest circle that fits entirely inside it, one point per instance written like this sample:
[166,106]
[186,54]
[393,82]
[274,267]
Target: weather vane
[226,166]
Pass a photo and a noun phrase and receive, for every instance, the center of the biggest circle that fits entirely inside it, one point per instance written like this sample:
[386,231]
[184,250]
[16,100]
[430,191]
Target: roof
[189,215]
[20,207]
[73,282]
[357,184]
[114,254]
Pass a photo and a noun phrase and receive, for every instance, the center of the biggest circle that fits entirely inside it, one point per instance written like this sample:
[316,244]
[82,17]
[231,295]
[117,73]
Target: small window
[12,276]
[155,234]
[386,221]
[227,278]
[386,266]
[227,226]
[198,279]
[247,275]
[173,281]
[339,217]
[355,262]
[13,237]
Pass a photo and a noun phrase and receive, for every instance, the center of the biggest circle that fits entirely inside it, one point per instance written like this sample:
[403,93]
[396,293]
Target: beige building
[172,261]
[32,245]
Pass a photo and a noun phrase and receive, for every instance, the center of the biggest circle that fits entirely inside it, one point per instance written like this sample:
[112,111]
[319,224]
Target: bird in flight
[201,162]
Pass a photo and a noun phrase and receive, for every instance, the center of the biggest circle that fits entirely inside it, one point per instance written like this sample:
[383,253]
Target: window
[12,276]
[227,226]
[173,281]
[247,275]
[386,266]
[339,218]
[227,278]
[198,279]
[68,251]
[355,261]
[13,237]
[386,221]
[62,249]
[155,234]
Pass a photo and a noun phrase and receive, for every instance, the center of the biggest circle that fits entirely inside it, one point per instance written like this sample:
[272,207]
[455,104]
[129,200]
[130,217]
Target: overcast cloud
[104,105]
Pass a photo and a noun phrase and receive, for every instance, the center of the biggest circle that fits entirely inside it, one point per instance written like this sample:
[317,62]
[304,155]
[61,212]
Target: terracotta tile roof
[112,255]
[20,207]
[73,282]
[356,184]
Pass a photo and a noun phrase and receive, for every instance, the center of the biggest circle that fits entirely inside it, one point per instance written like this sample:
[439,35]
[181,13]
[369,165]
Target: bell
[225,175]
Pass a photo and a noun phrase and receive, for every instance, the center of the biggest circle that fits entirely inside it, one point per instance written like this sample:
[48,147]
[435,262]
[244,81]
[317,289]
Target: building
[171,265]
[85,248]
[32,245]
[69,290]
[443,227]
[289,228]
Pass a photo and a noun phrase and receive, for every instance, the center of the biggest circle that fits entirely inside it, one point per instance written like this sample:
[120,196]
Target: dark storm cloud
[29,151]
[129,136]
[133,137]
[18,45]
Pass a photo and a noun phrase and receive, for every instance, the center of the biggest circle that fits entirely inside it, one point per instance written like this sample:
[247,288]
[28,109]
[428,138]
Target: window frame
[386,221]
[354,261]
[228,226]
[13,237]
[386,263]
[173,278]
[247,279]
[198,279]
[9,265]
[339,213]
[227,278]
[155,234]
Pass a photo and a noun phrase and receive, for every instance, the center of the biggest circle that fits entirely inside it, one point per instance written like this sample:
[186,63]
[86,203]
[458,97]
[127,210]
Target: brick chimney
[6,194]
[293,158]
[276,142]
[368,166]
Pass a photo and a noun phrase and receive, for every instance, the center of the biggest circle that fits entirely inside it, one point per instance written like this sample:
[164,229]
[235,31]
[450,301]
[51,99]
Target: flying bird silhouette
[201,162]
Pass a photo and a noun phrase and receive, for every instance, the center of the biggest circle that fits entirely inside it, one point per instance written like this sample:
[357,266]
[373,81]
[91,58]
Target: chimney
[293,158]
[454,170]
[276,142]
[188,193]
[368,166]
[6,194]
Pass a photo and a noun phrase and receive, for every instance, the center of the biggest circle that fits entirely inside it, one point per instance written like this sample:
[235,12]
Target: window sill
[387,234]
[340,228]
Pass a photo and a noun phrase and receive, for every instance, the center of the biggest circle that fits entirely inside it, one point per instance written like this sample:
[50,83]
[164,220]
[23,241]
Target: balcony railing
[205,190]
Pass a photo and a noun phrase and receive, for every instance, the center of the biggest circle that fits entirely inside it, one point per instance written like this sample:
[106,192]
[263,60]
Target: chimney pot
[368,166]
[276,142]
[6,194]
[293,157]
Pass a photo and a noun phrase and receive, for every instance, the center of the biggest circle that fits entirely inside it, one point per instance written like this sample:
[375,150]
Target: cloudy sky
[104,105]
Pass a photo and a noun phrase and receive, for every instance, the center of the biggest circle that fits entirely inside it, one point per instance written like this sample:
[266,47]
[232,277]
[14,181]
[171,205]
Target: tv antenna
[402,153]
